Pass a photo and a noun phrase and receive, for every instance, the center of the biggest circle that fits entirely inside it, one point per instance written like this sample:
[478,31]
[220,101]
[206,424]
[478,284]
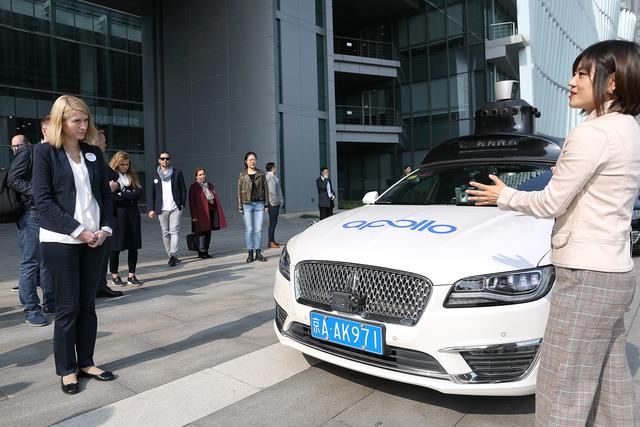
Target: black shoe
[117,281]
[104,376]
[259,256]
[15,289]
[133,281]
[72,388]
[172,261]
[48,310]
[250,257]
[107,292]
[204,255]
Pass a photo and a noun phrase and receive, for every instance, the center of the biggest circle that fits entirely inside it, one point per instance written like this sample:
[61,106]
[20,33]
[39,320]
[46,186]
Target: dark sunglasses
[165,158]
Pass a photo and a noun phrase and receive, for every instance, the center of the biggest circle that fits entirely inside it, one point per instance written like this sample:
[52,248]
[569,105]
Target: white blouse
[87,210]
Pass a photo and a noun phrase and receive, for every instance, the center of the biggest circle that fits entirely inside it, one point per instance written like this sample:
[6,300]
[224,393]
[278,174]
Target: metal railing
[360,47]
[364,115]
[501,29]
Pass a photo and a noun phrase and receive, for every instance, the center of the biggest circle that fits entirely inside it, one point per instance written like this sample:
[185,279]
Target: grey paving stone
[310,398]
[49,405]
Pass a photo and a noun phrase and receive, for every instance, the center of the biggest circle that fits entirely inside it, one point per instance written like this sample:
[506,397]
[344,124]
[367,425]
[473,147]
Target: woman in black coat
[126,234]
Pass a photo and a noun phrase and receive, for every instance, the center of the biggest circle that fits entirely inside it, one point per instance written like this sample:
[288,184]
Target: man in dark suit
[326,193]
[168,197]
[31,269]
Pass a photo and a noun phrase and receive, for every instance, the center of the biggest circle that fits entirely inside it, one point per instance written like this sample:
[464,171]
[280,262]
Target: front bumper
[440,352]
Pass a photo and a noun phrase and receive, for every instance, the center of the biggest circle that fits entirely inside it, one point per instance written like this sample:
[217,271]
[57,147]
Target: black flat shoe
[72,388]
[104,376]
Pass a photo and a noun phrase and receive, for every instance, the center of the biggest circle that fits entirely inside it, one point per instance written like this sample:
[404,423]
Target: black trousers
[74,274]
[132,261]
[102,278]
[325,213]
[274,211]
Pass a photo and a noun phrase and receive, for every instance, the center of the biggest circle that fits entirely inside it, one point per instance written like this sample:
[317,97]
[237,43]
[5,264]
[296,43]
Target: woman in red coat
[206,212]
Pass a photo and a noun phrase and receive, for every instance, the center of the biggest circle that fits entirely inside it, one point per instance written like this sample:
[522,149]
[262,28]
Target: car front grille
[501,364]
[390,296]
[395,358]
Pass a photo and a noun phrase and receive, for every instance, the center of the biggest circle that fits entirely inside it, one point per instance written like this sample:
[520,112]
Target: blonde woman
[75,204]
[126,234]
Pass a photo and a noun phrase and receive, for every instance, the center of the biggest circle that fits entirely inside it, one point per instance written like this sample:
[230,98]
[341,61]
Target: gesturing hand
[486,194]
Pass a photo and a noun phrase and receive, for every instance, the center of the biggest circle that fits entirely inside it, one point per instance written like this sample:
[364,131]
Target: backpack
[11,206]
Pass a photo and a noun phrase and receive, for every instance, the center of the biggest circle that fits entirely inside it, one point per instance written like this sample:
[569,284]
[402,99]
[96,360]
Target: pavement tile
[310,398]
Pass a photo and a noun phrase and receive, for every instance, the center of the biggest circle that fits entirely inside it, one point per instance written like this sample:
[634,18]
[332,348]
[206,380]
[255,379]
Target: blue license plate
[362,336]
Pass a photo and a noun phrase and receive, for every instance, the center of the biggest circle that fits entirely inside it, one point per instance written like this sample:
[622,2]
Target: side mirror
[370,198]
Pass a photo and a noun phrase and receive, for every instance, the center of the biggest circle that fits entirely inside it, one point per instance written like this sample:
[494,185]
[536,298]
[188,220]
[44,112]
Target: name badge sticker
[155,181]
[91,157]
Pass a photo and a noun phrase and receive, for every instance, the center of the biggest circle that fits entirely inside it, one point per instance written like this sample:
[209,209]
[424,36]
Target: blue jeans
[32,271]
[253,213]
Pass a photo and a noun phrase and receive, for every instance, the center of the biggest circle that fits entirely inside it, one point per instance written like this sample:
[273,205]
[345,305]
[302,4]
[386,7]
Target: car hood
[442,243]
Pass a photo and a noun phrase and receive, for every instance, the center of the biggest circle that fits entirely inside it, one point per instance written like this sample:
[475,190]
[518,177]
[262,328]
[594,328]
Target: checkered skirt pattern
[584,377]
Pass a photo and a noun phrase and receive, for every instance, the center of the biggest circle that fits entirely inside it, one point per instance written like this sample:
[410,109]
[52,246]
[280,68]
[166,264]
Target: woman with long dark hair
[127,235]
[72,194]
[206,212]
[583,376]
[253,196]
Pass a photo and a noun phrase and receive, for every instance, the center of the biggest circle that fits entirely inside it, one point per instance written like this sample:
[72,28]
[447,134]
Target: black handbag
[195,242]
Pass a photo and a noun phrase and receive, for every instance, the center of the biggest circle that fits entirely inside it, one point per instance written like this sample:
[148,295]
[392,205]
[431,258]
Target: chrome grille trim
[391,296]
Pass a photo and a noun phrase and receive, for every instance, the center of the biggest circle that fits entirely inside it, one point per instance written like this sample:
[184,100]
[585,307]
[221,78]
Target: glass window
[421,138]
[439,98]
[65,19]
[321,72]
[459,95]
[42,15]
[417,30]
[403,34]
[475,16]
[5,12]
[67,67]
[119,73]
[438,64]
[419,65]
[439,133]
[421,97]
[447,185]
[322,141]
[436,23]
[22,14]
[320,13]
[455,20]
[458,62]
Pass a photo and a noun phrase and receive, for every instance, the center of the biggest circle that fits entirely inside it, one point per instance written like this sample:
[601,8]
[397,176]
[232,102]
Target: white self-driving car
[420,285]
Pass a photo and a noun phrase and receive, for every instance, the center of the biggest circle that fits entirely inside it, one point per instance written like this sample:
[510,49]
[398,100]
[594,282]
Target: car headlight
[285,263]
[501,288]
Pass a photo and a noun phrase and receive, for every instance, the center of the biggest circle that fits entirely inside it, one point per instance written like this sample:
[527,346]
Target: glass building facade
[54,47]
[442,80]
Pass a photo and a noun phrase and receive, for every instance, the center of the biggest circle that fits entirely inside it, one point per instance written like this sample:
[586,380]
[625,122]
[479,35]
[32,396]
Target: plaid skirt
[584,377]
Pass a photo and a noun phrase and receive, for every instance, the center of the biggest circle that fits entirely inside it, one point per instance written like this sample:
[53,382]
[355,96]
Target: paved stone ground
[211,320]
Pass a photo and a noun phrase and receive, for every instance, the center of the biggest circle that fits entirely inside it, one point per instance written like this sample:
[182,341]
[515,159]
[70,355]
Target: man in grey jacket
[276,200]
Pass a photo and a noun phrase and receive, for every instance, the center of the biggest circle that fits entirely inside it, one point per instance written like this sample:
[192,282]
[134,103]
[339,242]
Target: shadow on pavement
[232,329]
[464,404]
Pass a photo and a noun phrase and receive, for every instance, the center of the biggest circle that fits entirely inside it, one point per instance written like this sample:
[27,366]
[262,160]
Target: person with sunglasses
[31,269]
[168,197]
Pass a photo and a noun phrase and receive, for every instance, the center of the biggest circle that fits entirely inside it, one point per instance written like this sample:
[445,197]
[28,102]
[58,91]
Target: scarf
[123,180]
[207,191]
[166,177]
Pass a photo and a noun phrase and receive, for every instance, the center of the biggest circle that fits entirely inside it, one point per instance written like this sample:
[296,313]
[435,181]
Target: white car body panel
[485,240]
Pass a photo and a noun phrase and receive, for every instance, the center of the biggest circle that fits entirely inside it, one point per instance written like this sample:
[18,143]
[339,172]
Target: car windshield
[446,185]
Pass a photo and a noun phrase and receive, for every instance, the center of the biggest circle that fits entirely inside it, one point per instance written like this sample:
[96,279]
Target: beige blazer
[591,195]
